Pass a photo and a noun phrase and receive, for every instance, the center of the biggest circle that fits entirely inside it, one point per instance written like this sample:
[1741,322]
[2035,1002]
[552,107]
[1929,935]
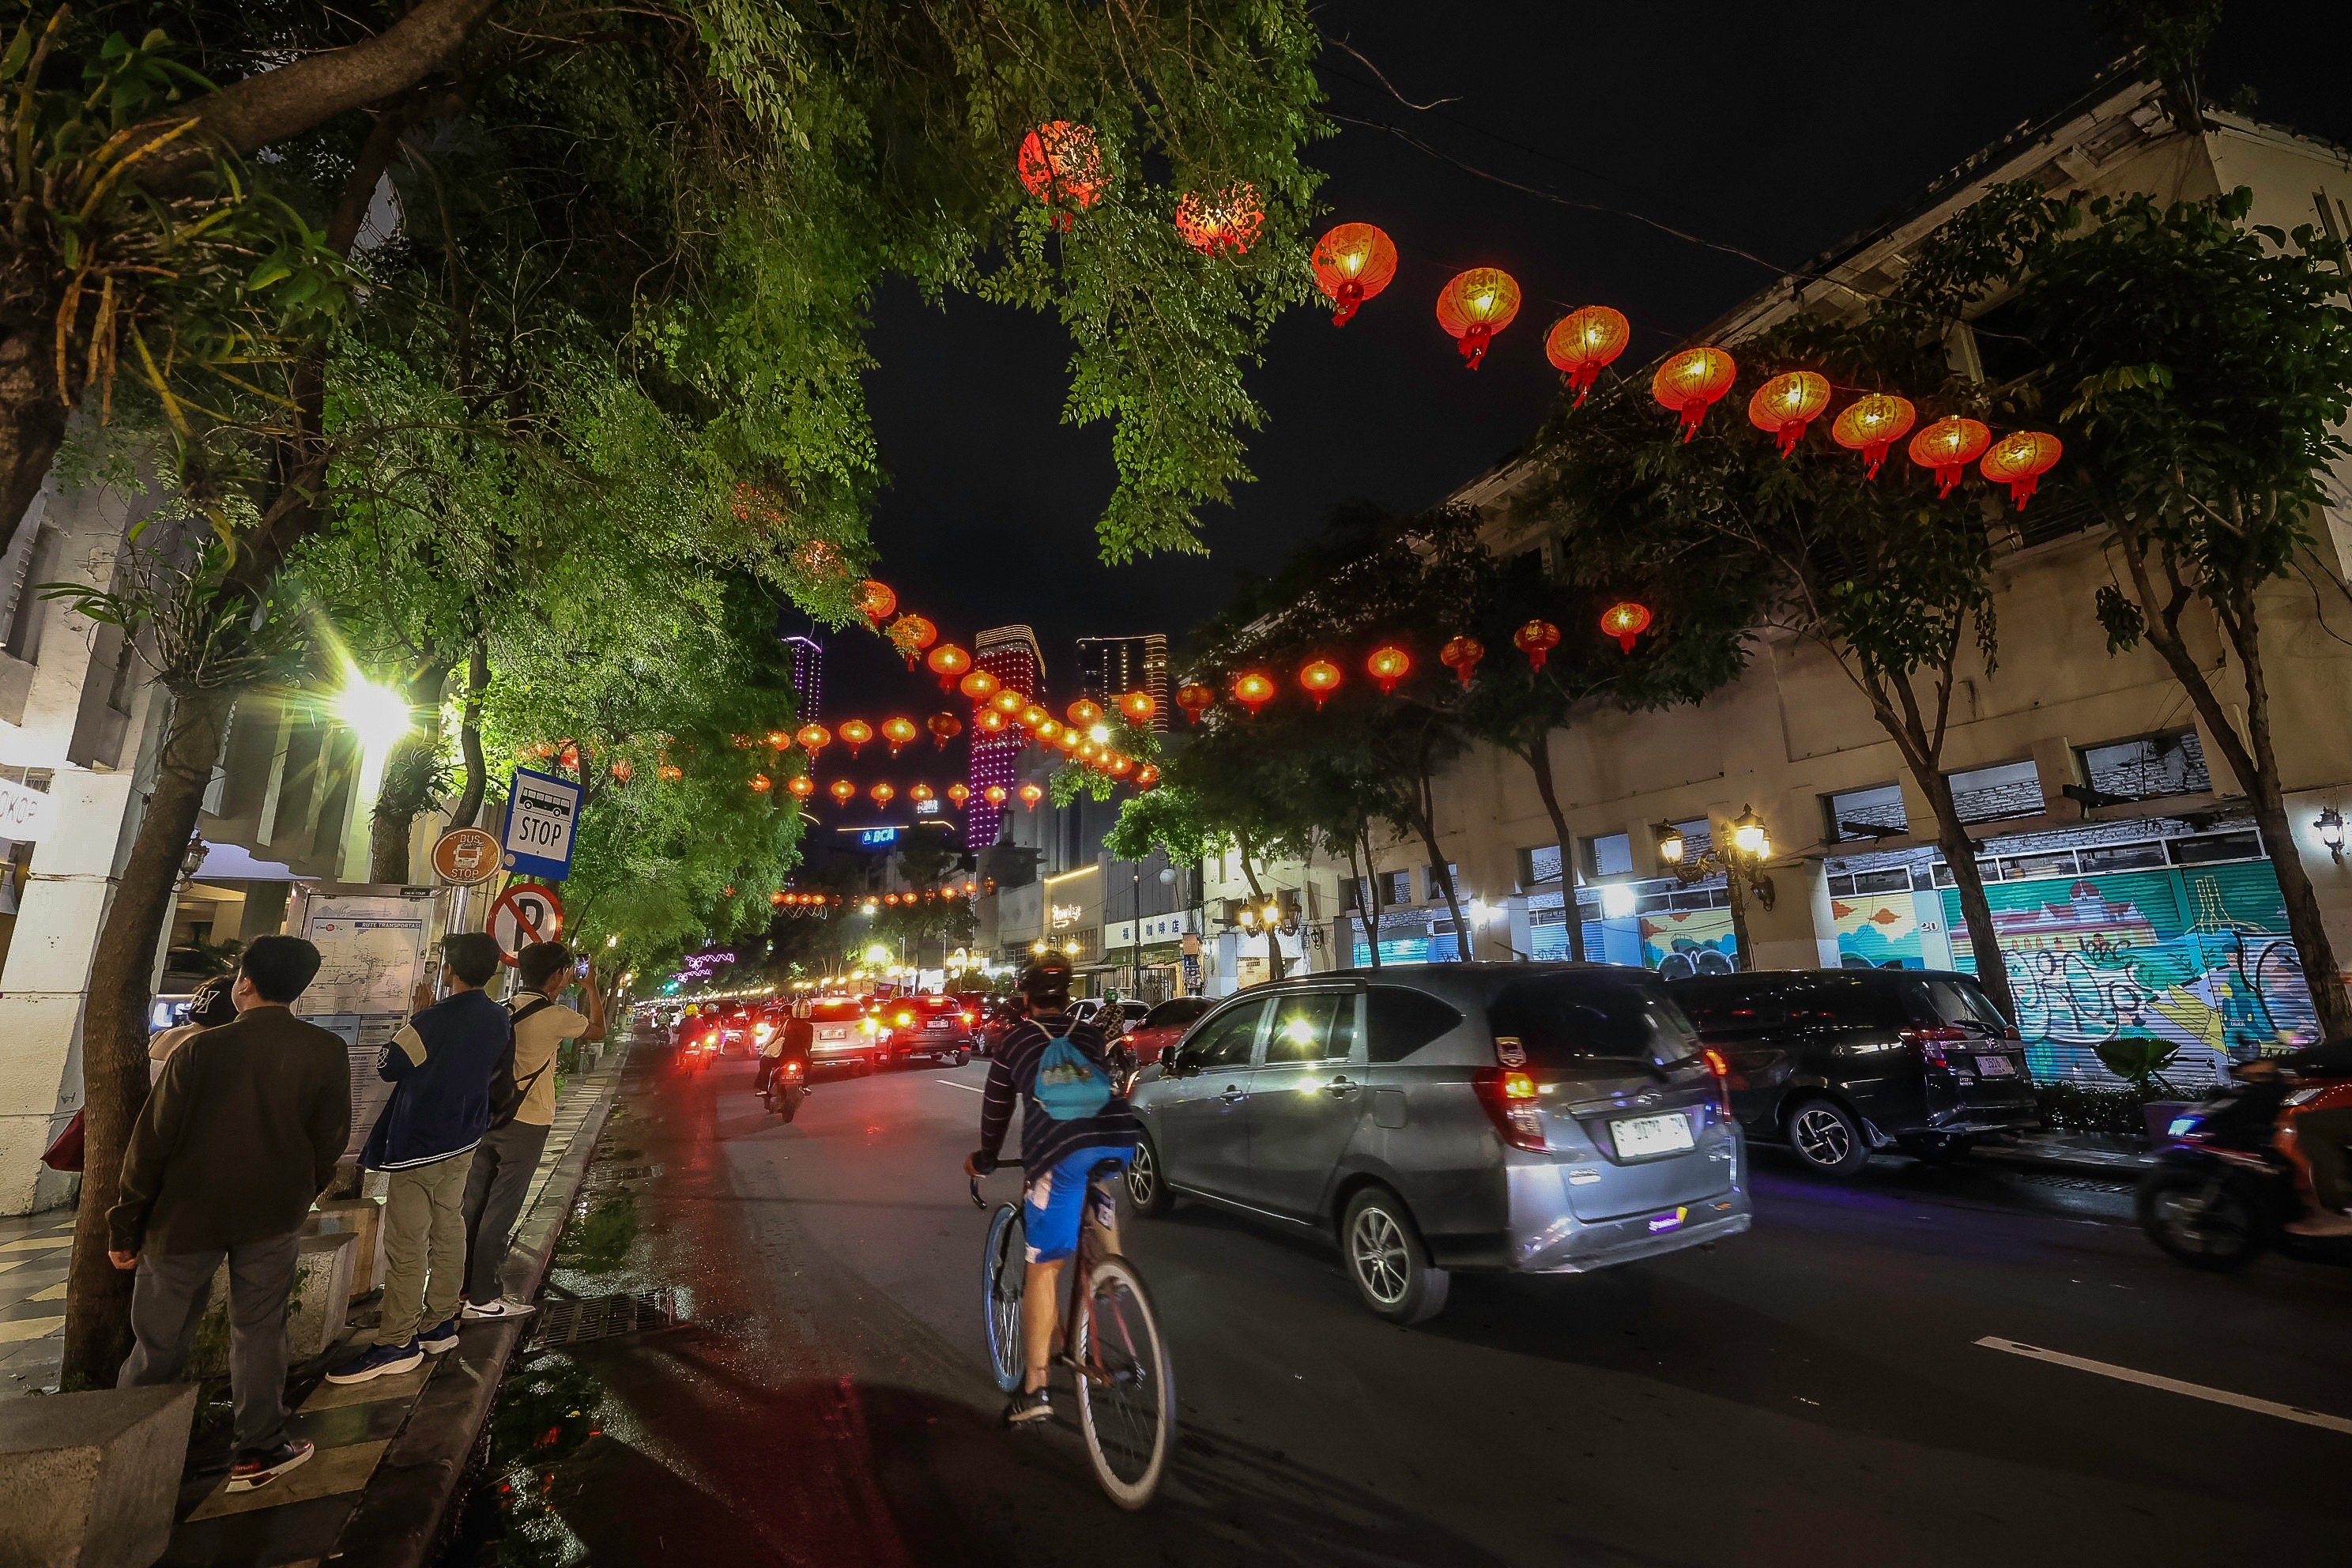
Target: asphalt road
[1813,1392]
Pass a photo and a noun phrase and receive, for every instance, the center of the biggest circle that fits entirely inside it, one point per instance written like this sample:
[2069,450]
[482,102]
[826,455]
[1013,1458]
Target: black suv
[1838,1062]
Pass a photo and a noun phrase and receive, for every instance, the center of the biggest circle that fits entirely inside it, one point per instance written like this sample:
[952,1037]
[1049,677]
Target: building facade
[1109,667]
[1011,654]
[807,655]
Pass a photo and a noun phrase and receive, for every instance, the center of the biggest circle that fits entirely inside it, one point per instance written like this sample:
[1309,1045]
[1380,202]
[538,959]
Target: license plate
[1995,1067]
[1650,1135]
[833,1034]
[936,1027]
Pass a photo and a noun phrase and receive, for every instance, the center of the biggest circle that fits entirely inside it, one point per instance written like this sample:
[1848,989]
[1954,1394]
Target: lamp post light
[1741,864]
[2331,832]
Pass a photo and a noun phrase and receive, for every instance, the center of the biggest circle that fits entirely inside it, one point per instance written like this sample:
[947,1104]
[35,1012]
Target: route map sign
[542,816]
[525,913]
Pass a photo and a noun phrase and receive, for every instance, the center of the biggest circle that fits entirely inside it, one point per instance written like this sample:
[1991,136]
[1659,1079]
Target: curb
[2119,1167]
[405,1515]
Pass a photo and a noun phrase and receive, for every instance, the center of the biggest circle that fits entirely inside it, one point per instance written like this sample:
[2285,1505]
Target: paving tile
[330,1471]
[55,1293]
[300,1532]
[341,1426]
[15,1330]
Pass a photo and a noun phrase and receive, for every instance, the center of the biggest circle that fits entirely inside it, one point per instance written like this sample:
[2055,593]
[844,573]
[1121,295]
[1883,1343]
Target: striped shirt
[1013,1076]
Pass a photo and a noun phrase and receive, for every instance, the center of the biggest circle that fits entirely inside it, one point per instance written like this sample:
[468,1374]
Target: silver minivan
[1524,1118]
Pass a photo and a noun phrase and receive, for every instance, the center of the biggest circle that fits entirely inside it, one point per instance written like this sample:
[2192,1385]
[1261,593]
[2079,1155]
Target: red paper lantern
[876,601]
[1585,341]
[1137,707]
[920,792]
[1254,690]
[1069,739]
[1352,263]
[947,662]
[1008,702]
[843,791]
[1195,700]
[1321,678]
[1871,423]
[979,685]
[668,773]
[761,783]
[1949,446]
[1146,776]
[1475,305]
[899,732]
[1226,223]
[1048,729]
[1031,795]
[944,727]
[855,733]
[1625,620]
[1786,405]
[1083,714]
[989,721]
[778,897]
[623,769]
[1122,764]
[995,794]
[1031,717]
[1536,640]
[1061,165]
[958,792]
[1689,382]
[802,785]
[1388,665]
[1461,655]
[882,792]
[813,738]
[912,634]
[2019,460]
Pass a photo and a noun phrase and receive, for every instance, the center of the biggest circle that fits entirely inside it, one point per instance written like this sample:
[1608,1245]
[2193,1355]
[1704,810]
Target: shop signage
[26,814]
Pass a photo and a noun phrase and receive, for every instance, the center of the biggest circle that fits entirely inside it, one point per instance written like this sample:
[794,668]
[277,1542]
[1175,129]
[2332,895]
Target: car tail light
[1720,1066]
[1509,1097]
[1715,1063]
[1930,1044]
[967,1020]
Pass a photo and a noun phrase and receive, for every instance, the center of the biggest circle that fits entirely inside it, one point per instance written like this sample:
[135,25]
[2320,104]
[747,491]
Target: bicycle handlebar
[977,1201]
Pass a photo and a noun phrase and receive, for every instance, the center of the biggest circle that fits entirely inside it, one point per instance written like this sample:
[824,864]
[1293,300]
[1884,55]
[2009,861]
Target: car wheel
[1829,1137]
[1147,1192]
[961,1056]
[1385,1258]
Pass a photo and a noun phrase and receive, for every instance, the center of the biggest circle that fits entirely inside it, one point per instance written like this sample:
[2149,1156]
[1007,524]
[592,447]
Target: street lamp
[1740,863]
[1617,901]
[1037,948]
[1070,948]
[2331,831]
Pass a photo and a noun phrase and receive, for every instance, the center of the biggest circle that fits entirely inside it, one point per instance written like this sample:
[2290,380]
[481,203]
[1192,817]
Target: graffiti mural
[1878,930]
[1680,942]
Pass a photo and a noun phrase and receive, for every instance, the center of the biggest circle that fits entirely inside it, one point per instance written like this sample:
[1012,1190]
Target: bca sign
[542,816]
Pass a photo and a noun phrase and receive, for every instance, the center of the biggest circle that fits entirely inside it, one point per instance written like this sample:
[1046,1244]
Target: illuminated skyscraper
[1109,667]
[808,675]
[1010,654]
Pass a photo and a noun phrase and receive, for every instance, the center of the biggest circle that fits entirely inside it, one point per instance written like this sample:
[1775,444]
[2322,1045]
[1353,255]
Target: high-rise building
[1010,654]
[808,675]
[1109,667]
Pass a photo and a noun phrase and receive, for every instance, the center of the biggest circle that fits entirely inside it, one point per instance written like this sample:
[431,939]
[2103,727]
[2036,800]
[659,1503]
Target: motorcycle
[786,1087]
[2225,1189]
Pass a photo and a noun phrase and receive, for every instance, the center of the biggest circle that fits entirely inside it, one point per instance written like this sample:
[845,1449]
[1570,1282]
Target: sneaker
[260,1470]
[2321,1224]
[1032,1404]
[435,1341]
[501,1308]
[378,1360]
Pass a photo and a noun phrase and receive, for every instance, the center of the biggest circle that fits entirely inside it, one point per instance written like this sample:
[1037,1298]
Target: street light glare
[1616,901]
[376,714]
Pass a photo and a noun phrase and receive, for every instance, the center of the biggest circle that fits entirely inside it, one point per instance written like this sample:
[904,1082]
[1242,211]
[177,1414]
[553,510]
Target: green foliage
[2139,1061]
[599,1241]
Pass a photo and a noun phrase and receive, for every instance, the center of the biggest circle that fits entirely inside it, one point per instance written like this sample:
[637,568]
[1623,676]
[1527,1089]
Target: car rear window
[1957,1002]
[834,1012]
[1178,1011]
[1844,1003]
[1728,1007]
[1404,1020]
[1565,1020]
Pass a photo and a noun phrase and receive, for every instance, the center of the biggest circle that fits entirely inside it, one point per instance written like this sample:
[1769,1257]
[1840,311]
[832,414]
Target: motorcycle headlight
[2181,1127]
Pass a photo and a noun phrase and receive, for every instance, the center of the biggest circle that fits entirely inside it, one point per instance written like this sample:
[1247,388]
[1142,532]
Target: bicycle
[1126,1381]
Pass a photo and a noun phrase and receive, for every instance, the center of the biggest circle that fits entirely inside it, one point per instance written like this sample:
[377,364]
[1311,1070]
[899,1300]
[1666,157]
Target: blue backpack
[1068,1085]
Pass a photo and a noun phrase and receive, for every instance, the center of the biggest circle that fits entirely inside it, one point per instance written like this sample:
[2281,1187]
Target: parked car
[998,1015]
[843,1033]
[929,1026]
[1838,1062]
[1531,1118]
[1163,1025]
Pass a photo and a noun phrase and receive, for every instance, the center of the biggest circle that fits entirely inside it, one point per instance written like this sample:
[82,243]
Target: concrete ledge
[315,1310]
[89,1480]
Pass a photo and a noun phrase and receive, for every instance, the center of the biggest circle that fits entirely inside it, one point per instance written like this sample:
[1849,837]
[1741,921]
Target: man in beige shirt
[506,1157]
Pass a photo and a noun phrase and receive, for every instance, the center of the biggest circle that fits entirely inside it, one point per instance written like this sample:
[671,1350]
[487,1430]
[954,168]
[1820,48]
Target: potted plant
[2140,1062]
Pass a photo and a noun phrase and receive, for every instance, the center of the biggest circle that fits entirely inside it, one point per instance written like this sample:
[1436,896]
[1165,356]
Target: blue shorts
[1055,1201]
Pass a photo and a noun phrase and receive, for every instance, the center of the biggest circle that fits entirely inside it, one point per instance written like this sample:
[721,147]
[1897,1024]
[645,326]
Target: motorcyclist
[788,1040]
[2320,1134]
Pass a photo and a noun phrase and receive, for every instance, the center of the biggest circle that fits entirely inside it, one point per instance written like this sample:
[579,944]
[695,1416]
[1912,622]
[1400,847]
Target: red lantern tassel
[1351,295]
[2021,491]
[1876,453]
[1581,378]
[1693,413]
[1625,640]
[1475,341]
[1947,475]
[1790,434]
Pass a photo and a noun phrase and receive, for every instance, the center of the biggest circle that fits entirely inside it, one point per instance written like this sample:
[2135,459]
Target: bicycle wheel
[1127,1385]
[1004,1269]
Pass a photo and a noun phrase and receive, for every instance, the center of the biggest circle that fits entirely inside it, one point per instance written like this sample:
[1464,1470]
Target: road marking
[2172,1385]
[967,1088]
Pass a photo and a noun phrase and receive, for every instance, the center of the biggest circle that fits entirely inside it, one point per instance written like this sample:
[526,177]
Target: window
[1610,855]
[1313,1027]
[1395,888]
[2005,790]
[1957,1002]
[1539,865]
[1404,1020]
[1566,1020]
[1846,1003]
[1437,886]
[1176,1011]
[2145,769]
[1352,894]
[1225,1040]
[1874,812]
[1716,1007]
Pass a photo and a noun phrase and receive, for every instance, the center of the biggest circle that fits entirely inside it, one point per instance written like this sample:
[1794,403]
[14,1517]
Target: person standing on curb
[439,1067]
[238,1139]
[522,1112]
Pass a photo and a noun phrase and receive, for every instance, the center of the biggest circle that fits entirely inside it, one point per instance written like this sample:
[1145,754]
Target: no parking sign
[525,913]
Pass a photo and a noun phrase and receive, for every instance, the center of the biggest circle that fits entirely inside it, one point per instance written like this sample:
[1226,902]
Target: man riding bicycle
[1073,1123]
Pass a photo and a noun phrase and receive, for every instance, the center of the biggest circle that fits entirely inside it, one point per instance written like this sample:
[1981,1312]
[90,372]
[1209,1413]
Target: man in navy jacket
[439,1067]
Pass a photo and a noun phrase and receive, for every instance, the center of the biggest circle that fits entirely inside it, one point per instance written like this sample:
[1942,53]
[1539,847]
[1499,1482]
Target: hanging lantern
[2019,460]
[1088,750]
[1031,795]
[1008,702]
[544,749]
[898,730]
[669,773]
[882,792]
[1137,707]
[1083,714]
[1583,342]
[1461,655]
[1475,305]
[570,757]
[1625,620]
[1871,423]
[1388,665]
[1061,165]
[813,738]
[1122,764]
[1048,730]
[1689,382]
[1253,688]
[855,733]
[1069,741]
[989,721]
[995,794]
[802,785]
[1195,700]
[623,769]
[920,792]
[1146,776]
[958,792]
[843,791]
[1031,717]
[1320,676]
[1352,263]
[911,635]
[944,727]
[1786,405]
[876,601]
[778,897]
[778,739]
[979,685]
[1949,446]
[1536,640]
[1224,224]
[947,662]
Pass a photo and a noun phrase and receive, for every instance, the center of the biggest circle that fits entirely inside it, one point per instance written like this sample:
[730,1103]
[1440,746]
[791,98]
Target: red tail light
[1509,1097]
[1930,1044]
[967,1020]
[1715,1063]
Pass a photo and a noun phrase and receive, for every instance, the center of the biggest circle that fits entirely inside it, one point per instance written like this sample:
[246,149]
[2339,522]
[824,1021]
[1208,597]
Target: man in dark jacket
[238,1139]
[439,1067]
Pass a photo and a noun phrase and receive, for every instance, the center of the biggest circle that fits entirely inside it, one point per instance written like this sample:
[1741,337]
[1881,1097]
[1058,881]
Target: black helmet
[1046,980]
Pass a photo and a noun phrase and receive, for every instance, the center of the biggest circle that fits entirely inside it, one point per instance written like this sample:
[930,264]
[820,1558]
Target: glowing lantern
[1625,620]
[944,727]
[1031,717]
[979,685]
[1088,750]
[623,769]
[1083,714]
[1069,739]
[778,739]
[911,635]
[544,749]
[920,792]
[1031,795]
[1146,776]
[1788,403]
[989,721]
[1137,707]
[778,897]
[948,661]
[1254,690]
[802,785]
[1352,263]
[1388,665]
[855,733]
[1048,730]
[669,773]
[1227,222]
[1321,678]
[1475,305]
[1122,763]
[2019,460]
[882,792]
[1008,702]
[958,792]
[1536,640]
[899,732]
[570,757]
[1195,700]
[843,791]
[1949,446]
[1461,655]
[876,601]
[1871,423]
[1689,382]
[1582,342]
[1062,165]
[995,794]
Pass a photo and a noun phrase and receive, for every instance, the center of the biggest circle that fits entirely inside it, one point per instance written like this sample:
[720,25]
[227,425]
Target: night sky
[1774,131]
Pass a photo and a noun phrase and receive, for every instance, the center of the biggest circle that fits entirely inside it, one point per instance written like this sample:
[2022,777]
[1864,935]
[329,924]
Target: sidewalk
[2121,1159]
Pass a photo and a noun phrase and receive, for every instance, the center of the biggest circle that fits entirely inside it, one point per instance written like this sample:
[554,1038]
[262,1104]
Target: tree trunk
[115,1031]
[1424,823]
[469,738]
[1538,761]
[1976,911]
[34,425]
